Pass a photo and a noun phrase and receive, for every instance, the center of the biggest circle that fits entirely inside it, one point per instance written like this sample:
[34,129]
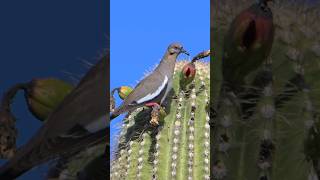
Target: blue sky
[43,39]
[141,31]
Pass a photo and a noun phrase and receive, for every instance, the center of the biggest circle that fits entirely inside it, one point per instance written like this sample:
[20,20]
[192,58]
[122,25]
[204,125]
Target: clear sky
[42,39]
[141,31]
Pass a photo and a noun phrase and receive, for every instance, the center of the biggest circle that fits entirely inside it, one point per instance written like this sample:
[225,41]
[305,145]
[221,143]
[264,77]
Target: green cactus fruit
[44,95]
[270,130]
[178,148]
[124,91]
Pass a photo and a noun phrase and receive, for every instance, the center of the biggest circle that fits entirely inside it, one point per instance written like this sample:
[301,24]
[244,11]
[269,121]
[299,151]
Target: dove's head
[176,49]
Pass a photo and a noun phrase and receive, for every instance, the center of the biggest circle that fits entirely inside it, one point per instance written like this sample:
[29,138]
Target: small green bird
[247,43]
[155,87]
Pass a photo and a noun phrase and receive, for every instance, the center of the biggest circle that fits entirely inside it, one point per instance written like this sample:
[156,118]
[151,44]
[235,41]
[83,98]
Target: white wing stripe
[154,94]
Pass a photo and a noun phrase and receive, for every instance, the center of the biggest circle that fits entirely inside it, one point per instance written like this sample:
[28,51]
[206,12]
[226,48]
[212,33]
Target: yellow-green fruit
[44,95]
[124,91]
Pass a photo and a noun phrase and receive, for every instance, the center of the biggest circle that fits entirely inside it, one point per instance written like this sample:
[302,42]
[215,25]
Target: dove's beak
[184,52]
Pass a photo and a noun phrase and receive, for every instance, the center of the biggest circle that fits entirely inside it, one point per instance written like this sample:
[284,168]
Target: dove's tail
[122,109]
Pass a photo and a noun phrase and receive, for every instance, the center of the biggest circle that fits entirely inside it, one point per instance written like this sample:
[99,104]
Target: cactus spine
[176,149]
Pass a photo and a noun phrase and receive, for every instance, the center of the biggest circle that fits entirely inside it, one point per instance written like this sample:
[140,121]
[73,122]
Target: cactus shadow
[200,90]
[142,125]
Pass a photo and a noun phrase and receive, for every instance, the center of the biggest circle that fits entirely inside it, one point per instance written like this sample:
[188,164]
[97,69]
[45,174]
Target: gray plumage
[156,86]
[78,122]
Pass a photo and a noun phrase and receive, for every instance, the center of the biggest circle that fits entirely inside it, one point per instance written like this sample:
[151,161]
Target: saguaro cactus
[270,130]
[178,148]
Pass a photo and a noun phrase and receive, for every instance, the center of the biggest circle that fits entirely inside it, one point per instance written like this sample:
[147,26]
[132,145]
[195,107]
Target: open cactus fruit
[173,143]
[267,128]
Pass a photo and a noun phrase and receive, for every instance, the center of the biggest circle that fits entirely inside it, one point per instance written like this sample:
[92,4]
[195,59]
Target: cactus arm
[202,153]
[165,136]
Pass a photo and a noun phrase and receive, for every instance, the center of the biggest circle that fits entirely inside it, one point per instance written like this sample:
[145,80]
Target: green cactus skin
[89,162]
[279,139]
[179,147]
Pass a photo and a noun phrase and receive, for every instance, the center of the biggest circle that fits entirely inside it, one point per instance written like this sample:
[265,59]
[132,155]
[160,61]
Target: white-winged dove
[78,122]
[155,87]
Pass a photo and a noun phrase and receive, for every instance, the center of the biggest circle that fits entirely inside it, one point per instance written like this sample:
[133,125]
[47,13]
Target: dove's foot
[152,104]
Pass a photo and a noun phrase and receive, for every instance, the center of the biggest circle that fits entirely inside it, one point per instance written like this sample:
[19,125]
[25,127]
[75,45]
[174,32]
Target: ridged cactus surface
[270,130]
[178,148]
